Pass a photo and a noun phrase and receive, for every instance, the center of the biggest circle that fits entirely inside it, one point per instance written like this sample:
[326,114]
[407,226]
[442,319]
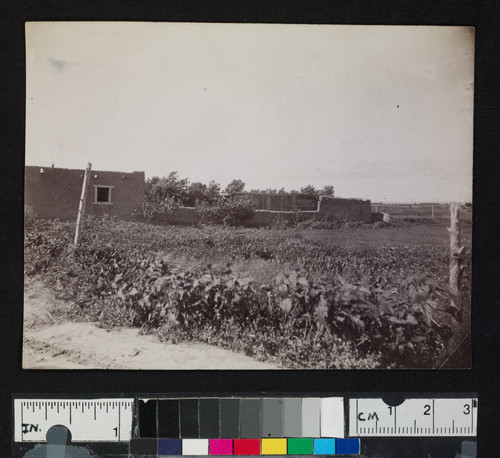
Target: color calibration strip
[230,426]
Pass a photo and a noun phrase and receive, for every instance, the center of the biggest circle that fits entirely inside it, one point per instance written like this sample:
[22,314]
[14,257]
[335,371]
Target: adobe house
[54,193]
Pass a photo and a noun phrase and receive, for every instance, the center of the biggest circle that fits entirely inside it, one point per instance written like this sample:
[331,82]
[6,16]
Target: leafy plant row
[343,318]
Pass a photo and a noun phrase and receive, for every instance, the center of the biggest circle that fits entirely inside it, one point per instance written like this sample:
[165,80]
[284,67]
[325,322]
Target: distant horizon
[436,202]
[380,112]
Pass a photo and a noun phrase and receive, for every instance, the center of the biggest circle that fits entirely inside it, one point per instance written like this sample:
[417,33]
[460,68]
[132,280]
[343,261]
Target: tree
[270,191]
[163,196]
[148,187]
[213,191]
[309,189]
[235,186]
[199,192]
[158,189]
[196,192]
[327,190]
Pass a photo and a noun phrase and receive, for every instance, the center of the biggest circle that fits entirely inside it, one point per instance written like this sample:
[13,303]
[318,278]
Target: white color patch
[332,417]
[195,446]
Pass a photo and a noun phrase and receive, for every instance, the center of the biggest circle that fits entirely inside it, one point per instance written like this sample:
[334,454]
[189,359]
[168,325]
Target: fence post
[455,256]
[81,207]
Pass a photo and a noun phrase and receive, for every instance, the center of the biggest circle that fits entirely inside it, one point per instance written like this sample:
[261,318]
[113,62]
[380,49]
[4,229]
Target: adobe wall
[281,202]
[334,209]
[345,209]
[55,193]
[266,218]
[185,215]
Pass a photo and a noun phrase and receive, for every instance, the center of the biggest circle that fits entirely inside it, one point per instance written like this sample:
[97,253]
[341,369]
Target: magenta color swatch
[221,446]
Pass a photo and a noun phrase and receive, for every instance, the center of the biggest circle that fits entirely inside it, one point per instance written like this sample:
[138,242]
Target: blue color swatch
[347,446]
[169,447]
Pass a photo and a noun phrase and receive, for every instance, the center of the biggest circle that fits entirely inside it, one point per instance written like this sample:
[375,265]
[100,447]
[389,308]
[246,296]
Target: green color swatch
[300,446]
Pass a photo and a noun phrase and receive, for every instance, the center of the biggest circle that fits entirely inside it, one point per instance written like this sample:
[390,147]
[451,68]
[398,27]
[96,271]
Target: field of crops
[434,214]
[359,296]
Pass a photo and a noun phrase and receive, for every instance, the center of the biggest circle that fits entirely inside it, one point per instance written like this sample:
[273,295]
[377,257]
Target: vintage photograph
[247,196]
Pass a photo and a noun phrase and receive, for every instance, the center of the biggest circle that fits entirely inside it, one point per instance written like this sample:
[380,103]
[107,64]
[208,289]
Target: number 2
[427,409]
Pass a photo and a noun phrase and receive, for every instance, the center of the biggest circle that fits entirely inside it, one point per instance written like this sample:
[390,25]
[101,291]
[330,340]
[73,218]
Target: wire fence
[421,211]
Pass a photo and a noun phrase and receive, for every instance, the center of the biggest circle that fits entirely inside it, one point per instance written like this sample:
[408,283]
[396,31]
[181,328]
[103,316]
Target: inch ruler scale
[118,421]
[92,420]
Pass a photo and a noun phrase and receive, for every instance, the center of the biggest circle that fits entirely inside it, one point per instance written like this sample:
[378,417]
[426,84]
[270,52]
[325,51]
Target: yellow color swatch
[273,447]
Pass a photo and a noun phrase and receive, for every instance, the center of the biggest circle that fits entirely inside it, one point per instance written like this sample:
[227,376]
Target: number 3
[467,409]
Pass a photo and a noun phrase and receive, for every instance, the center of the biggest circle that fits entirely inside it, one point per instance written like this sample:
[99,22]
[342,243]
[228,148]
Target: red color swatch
[247,446]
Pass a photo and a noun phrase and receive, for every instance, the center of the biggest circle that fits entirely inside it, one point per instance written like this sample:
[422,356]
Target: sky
[380,112]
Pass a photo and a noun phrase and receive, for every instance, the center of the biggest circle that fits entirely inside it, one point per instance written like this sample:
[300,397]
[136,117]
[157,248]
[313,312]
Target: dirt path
[52,342]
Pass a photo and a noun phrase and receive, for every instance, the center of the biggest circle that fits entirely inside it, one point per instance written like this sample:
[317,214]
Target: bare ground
[51,341]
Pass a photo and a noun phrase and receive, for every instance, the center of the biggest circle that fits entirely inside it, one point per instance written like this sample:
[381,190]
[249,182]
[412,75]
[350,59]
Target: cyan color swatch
[324,446]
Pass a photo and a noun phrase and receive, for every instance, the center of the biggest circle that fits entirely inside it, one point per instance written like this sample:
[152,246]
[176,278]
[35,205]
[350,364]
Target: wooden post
[432,210]
[455,255]
[81,208]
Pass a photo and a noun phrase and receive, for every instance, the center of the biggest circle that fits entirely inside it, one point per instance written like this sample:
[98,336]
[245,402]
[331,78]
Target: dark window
[103,195]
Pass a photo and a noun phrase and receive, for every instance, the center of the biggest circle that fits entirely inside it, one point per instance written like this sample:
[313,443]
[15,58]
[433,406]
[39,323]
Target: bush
[157,211]
[232,212]
[319,224]
[280,223]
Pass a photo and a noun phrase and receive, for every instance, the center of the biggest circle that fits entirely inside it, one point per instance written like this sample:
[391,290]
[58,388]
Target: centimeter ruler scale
[414,417]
